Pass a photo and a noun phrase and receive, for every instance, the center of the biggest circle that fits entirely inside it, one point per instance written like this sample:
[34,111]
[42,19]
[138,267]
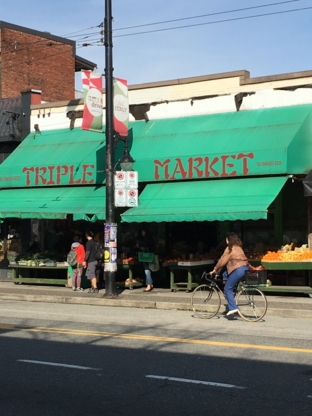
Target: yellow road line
[67,331]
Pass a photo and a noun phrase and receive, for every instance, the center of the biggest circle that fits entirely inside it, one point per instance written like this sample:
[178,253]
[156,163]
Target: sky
[220,37]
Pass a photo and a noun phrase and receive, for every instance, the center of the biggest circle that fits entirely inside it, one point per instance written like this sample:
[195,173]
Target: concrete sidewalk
[294,306]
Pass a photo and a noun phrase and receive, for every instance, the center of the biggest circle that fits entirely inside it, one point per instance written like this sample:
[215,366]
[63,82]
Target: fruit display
[173,260]
[48,258]
[285,254]
[176,260]
[254,256]
[129,282]
[128,260]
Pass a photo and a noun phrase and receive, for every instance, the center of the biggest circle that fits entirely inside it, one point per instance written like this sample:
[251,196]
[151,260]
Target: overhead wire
[191,17]
[208,14]
[82,30]
[99,42]
[87,36]
[40,52]
[214,22]
[188,18]
[204,23]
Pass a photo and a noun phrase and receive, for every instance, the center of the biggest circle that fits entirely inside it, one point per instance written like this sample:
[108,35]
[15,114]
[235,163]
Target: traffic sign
[132,198]
[120,179]
[132,179]
[120,198]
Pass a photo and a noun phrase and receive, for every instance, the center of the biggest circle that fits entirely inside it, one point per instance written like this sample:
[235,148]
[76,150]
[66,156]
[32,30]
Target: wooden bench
[21,274]
[286,289]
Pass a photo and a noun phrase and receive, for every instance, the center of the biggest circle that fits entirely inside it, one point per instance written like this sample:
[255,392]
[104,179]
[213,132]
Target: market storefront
[53,185]
[222,168]
[235,169]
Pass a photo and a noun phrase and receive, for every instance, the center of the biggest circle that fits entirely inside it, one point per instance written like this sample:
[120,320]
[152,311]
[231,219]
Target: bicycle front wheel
[205,301]
[252,304]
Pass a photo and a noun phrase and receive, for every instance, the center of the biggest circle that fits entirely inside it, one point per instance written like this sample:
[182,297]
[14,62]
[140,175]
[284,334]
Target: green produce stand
[289,266]
[130,268]
[44,275]
[191,268]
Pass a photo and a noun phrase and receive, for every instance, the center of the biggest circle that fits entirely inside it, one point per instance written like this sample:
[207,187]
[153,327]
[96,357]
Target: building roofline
[179,81]
[55,104]
[47,35]
[278,77]
[244,76]
[80,63]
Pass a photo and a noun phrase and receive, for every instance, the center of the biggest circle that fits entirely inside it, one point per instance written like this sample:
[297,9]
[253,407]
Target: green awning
[217,200]
[271,141]
[84,202]
[56,158]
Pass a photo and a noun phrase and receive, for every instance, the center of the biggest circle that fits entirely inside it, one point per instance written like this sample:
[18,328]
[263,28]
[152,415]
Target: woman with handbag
[236,263]
[146,243]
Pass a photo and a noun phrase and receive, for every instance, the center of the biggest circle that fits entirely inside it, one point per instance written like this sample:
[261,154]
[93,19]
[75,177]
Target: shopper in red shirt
[78,269]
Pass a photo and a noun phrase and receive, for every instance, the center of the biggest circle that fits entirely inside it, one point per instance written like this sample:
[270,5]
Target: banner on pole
[93,101]
[110,247]
[121,106]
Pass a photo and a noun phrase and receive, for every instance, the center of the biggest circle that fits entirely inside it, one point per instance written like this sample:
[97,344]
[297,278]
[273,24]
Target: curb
[288,312]
[79,301]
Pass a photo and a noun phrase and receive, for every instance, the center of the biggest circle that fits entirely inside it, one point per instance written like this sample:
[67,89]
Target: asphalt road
[86,360]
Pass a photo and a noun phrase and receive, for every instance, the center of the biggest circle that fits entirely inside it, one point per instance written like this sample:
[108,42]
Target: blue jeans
[231,281]
[148,274]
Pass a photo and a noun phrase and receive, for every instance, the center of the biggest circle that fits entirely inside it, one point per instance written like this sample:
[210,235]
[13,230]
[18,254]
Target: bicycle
[206,299]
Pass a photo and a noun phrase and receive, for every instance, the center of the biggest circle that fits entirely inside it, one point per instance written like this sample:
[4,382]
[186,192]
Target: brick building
[30,59]
[34,66]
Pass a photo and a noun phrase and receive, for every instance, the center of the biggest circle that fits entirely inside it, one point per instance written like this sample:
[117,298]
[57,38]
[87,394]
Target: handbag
[145,256]
[154,266]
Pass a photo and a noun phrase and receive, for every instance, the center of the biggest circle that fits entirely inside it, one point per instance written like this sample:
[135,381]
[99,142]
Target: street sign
[132,198]
[132,180]
[126,189]
[120,198]
[120,180]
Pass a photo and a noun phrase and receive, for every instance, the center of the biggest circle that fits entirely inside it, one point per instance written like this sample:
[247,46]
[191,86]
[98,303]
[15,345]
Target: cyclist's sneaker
[232,312]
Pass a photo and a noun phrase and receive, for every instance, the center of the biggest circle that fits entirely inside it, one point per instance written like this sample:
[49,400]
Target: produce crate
[5,275]
[146,257]
[256,277]
[61,264]
[195,263]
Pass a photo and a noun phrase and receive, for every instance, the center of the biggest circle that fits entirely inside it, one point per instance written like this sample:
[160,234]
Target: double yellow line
[138,337]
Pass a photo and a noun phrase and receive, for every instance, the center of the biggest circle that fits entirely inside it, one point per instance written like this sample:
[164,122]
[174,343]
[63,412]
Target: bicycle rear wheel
[252,304]
[205,301]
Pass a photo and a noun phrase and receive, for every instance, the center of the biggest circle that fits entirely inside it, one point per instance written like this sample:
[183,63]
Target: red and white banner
[93,101]
[121,106]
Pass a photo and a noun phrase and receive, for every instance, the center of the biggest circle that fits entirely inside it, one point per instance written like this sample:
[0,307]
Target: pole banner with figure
[93,101]
[121,106]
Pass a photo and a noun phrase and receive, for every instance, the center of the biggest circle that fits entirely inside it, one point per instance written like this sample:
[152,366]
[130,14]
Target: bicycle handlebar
[209,276]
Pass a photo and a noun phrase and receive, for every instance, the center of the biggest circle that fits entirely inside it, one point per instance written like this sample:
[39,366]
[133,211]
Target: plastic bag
[154,266]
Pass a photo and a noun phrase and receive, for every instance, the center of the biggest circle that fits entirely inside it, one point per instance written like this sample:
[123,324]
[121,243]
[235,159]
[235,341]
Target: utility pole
[110,282]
